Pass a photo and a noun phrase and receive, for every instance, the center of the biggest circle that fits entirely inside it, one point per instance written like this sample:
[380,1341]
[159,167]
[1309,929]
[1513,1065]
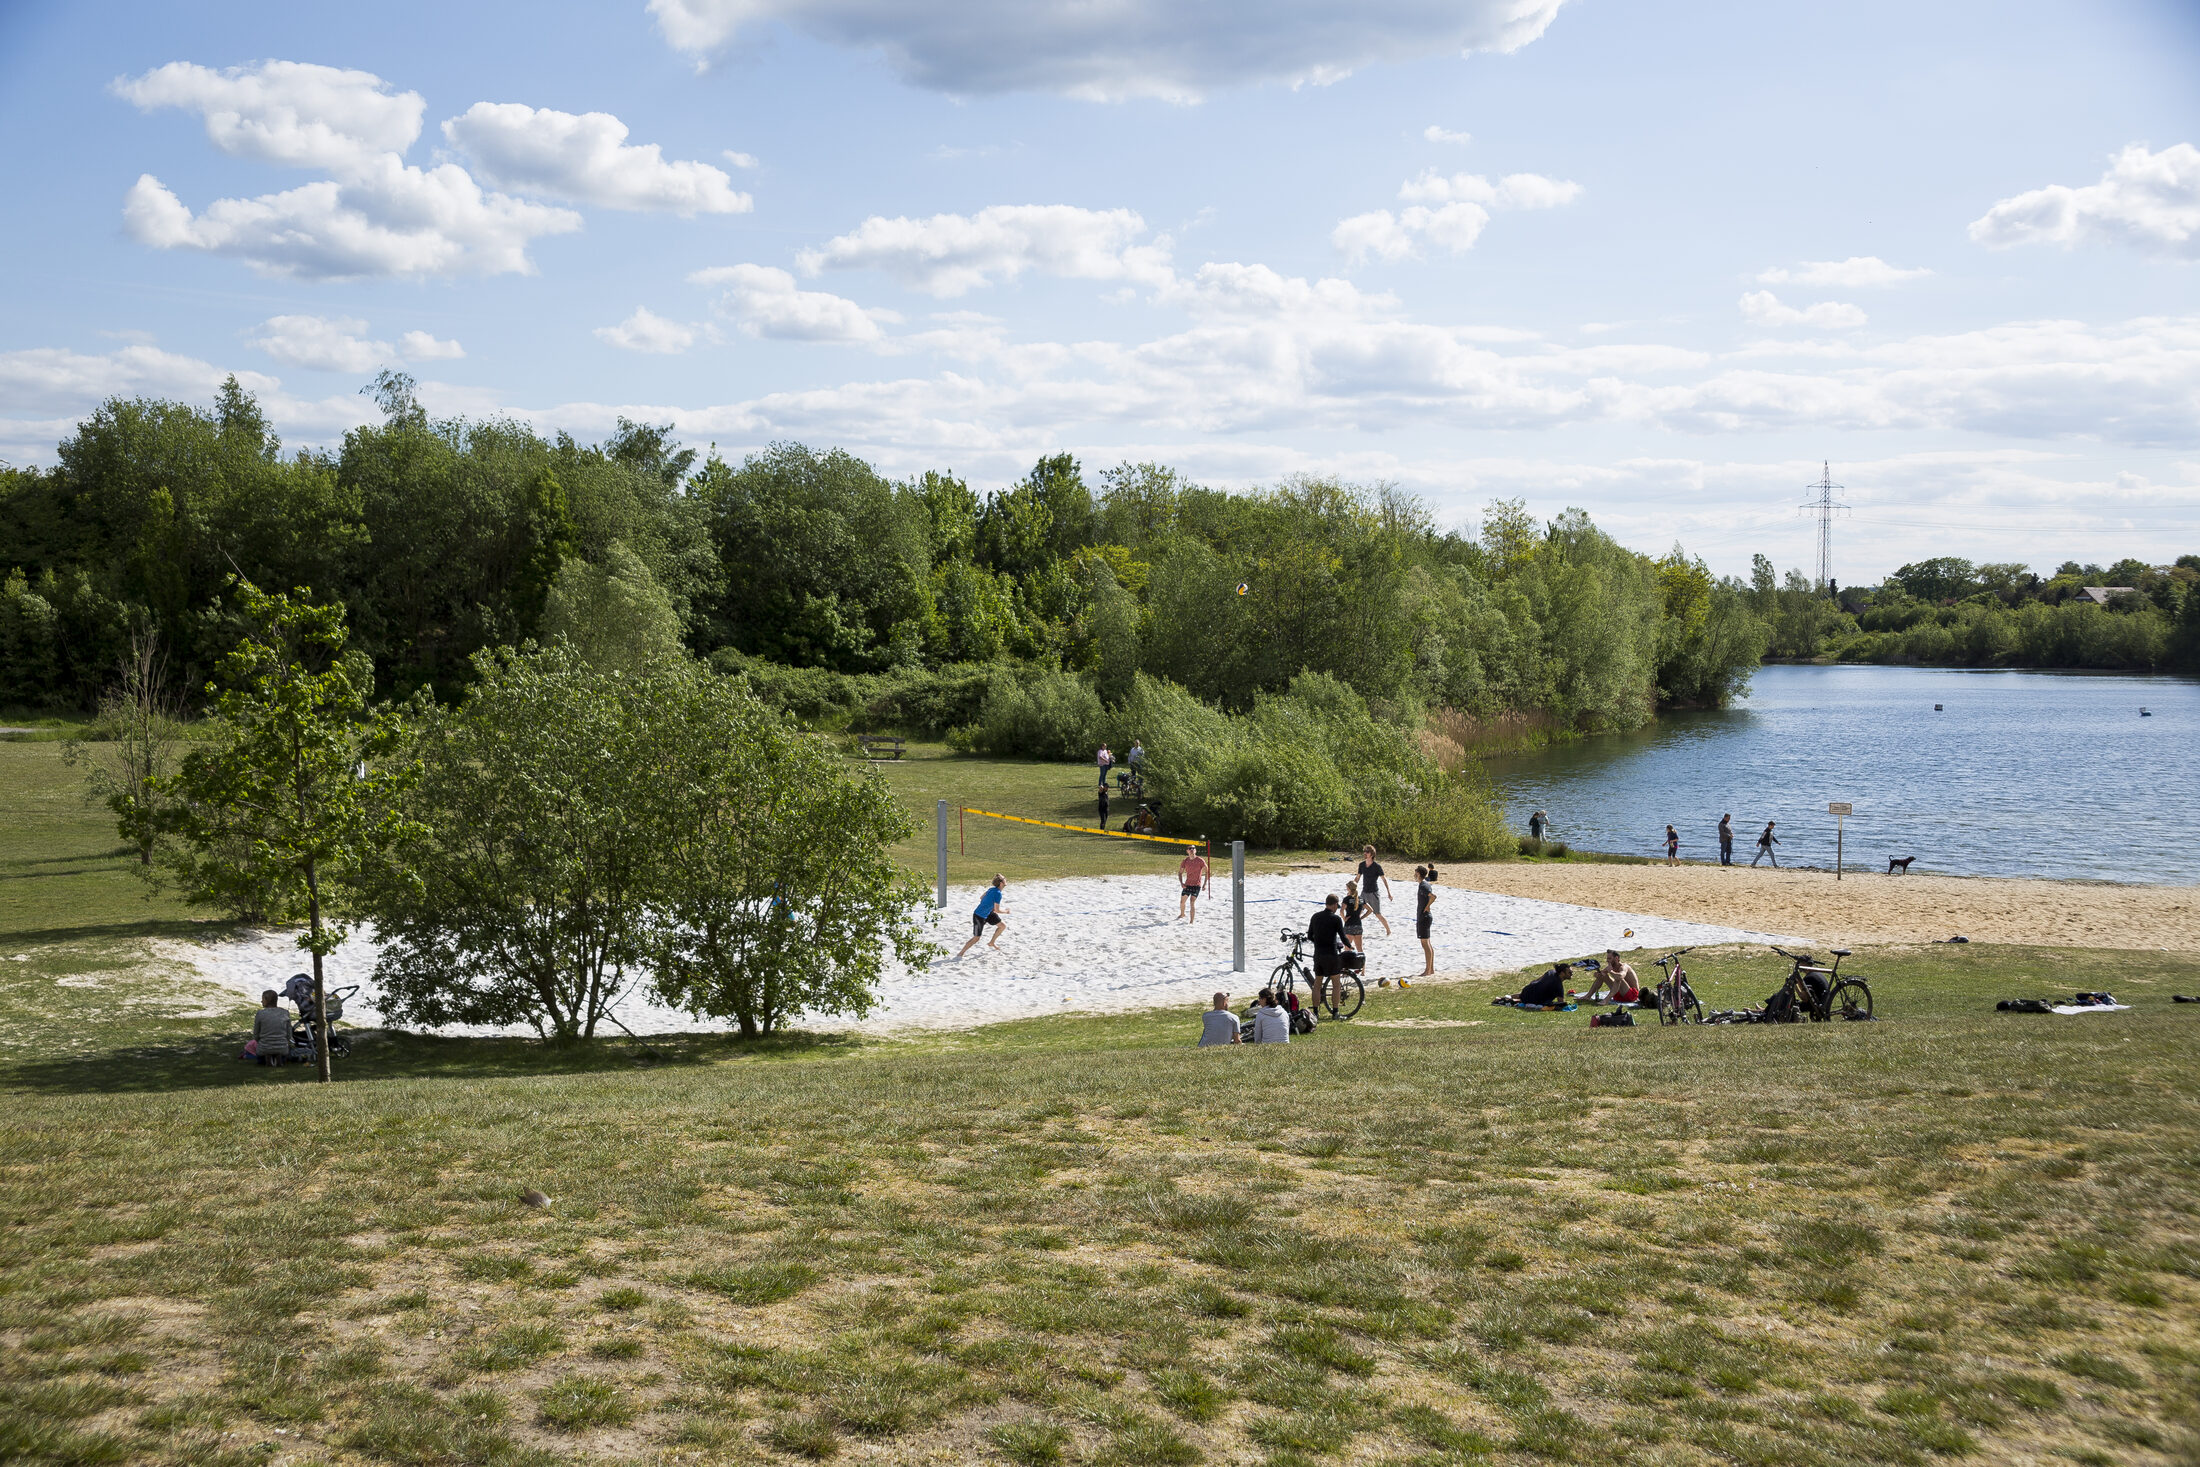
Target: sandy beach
[1865,907]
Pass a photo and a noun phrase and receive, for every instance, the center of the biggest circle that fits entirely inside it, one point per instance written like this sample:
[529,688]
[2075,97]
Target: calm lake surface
[2022,774]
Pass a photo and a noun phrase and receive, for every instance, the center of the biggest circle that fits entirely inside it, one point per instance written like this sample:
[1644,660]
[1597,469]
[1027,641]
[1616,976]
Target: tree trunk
[320,987]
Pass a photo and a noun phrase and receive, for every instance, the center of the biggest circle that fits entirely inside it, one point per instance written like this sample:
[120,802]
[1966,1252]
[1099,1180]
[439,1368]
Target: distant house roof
[2102,595]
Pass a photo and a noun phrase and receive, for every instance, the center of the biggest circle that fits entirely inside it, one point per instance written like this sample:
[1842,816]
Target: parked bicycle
[1677,1001]
[1298,967]
[1817,992]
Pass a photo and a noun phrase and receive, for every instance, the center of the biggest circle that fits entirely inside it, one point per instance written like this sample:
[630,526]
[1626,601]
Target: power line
[1825,504]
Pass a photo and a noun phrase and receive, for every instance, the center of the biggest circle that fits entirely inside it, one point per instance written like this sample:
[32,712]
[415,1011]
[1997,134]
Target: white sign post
[1840,810]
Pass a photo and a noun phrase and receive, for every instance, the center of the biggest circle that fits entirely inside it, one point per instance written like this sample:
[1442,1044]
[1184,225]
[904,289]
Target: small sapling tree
[133,745]
[779,894]
[297,794]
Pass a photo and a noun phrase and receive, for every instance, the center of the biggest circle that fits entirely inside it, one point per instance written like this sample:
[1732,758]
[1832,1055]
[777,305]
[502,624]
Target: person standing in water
[1672,846]
[1765,844]
[1192,875]
[1537,823]
[1726,840]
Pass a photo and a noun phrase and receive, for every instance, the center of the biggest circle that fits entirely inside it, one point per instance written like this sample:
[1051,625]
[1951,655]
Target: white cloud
[376,216]
[421,346]
[1462,201]
[322,344]
[740,160]
[1858,272]
[953,254]
[1126,48]
[2149,201]
[1513,191]
[286,112]
[1765,309]
[767,302]
[585,159]
[646,331]
[1436,134]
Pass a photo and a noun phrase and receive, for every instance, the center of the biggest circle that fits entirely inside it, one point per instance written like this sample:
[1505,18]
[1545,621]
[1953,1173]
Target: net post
[1237,906]
[943,853]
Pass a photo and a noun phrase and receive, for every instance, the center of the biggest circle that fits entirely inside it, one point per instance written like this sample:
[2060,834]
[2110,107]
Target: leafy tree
[540,824]
[133,747]
[1943,578]
[778,893]
[297,794]
[616,615]
[650,450]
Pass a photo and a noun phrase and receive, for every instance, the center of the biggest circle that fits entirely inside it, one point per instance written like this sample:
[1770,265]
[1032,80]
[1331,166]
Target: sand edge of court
[1865,907]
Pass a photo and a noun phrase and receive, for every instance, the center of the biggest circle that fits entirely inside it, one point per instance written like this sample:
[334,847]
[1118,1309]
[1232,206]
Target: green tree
[132,747]
[297,795]
[777,894]
[524,898]
[615,614]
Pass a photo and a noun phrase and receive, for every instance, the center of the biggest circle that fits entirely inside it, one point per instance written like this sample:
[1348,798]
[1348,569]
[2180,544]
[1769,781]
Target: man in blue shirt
[989,914]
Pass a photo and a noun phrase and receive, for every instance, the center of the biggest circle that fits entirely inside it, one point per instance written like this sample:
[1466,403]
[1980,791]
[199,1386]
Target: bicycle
[1820,992]
[1352,988]
[1677,1001]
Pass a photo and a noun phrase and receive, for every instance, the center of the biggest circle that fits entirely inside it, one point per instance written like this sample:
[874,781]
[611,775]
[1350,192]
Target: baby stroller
[299,991]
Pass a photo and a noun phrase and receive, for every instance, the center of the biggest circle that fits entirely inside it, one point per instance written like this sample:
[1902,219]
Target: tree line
[1946,611]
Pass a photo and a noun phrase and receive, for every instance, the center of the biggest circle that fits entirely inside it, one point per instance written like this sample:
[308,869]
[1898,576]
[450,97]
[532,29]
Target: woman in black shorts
[1424,918]
[1352,912]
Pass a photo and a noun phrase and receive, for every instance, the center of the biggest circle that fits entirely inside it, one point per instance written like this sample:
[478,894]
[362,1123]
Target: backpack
[1616,1019]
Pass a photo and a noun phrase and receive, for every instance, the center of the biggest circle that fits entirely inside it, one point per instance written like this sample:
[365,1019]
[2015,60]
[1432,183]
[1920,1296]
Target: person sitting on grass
[990,913]
[271,1030]
[1615,980]
[1271,1022]
[1218,1025]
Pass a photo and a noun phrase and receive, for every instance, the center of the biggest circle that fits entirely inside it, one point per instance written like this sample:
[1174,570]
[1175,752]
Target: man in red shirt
[1192,875]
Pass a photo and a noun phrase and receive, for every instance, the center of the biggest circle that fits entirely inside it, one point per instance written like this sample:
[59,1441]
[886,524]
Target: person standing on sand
[1765,843]
[1353,911]
[1373,886]
[989,914]
[1672,846]
[1726,840]
[1424,916]
[1192,875]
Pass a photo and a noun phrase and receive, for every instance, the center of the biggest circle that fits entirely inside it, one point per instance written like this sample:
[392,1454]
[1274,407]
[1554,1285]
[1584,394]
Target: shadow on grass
[184,927]
[212,1062]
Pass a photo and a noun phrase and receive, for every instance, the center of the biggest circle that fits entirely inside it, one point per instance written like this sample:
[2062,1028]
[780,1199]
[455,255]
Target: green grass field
[1442,1233]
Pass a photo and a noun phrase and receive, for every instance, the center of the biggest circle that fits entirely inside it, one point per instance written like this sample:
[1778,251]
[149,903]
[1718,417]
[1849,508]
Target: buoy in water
[2144,714]
[1936,708]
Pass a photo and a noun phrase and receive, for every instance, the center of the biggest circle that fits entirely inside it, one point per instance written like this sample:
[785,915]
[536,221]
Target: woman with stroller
[271,1030]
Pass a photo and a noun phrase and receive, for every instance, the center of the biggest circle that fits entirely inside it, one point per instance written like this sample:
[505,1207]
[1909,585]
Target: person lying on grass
[1544,992]
[1218,1025]
[990,913]
[1616,980]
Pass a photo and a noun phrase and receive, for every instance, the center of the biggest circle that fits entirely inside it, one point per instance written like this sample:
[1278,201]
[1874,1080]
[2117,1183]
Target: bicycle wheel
[1281,980]
[1354,993]
[1669,1009]
[1851,999]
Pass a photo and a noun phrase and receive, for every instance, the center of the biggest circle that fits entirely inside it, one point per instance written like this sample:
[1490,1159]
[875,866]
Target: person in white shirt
[1271,1023]
[1218,1025]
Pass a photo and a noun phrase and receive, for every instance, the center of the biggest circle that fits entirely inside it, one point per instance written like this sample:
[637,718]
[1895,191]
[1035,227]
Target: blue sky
[1654,261]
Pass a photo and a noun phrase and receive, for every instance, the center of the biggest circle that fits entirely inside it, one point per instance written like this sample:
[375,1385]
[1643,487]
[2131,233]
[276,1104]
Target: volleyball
[1244,586]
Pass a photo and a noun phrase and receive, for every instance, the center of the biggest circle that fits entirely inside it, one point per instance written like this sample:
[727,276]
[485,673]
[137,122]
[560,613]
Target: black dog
[1902,861]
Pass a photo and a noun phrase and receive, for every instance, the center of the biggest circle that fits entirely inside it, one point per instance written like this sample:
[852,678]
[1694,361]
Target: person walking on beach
[1672,846]
[1536,825]
[1726,840]
[990,913]
[1192,875]
[1424,916]
[1373,886]
[1765,844]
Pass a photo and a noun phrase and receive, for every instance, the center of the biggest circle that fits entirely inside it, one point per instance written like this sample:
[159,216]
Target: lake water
[2020,774]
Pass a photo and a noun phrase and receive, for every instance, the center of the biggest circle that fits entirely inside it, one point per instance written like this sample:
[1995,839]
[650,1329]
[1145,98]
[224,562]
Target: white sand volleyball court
[1098,944]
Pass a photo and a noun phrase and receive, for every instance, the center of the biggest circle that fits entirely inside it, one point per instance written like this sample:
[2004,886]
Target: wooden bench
[873,744]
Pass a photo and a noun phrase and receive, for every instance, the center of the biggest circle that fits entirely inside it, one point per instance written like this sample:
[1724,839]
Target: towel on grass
[1543,1008]
[2087,1008]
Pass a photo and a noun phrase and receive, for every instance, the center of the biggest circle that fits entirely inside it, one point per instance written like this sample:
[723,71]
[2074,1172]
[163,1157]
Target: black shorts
[1328,967]
[1193,891]
[979,924]
[1421,925]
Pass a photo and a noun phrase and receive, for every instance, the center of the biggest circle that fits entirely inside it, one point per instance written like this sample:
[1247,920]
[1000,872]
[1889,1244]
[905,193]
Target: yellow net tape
[1167,840]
